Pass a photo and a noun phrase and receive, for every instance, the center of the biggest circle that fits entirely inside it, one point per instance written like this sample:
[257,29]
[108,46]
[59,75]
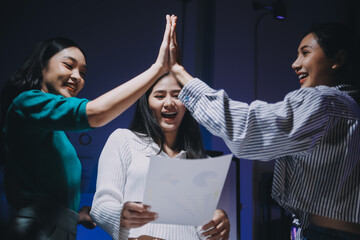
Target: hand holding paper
[135,215]
[186,191]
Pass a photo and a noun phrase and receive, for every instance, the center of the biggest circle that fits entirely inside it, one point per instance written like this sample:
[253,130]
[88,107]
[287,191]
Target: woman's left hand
[85,219]
[218,227]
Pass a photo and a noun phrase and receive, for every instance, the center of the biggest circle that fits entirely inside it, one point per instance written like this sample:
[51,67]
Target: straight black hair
[189,136]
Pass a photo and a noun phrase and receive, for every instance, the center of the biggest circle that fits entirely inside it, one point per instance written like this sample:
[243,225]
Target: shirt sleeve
[51,112]
[109,196]
[260,130]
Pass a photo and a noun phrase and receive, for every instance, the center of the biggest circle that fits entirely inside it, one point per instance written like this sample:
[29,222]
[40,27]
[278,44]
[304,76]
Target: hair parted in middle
[188,138]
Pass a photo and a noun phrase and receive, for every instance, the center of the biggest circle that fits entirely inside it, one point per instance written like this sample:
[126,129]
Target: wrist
[158,67]
[181,74]
[177,69]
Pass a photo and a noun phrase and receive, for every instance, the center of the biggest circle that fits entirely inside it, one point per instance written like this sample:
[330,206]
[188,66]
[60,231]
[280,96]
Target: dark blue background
[122,38]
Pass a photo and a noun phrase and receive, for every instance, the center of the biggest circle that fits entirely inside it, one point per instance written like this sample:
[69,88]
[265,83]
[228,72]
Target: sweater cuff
[109,219]
[83,122]
[124,233]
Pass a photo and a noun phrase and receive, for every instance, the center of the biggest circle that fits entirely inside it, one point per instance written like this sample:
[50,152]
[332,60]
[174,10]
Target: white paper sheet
[185,191]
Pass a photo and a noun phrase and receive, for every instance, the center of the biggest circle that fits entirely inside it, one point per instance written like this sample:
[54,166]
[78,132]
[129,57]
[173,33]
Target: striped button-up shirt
[313,134]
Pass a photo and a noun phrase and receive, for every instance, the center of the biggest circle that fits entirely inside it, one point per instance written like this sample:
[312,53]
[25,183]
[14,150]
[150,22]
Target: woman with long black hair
[161,126]
[38,103]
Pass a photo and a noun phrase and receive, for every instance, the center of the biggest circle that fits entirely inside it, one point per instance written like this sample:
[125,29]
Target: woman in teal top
[38,103]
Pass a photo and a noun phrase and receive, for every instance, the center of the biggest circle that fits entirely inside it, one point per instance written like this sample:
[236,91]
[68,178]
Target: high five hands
[169,54]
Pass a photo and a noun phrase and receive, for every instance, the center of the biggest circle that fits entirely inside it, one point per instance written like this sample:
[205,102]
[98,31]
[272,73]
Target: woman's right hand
[135,214]
[163,58]
[174,59]
[176,69]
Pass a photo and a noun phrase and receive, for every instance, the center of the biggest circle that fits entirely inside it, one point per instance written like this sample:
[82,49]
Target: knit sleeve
[112,173]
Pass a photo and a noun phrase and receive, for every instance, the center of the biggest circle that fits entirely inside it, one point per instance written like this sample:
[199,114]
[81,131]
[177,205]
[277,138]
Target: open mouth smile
[169,115]
[70,86]
[303,77]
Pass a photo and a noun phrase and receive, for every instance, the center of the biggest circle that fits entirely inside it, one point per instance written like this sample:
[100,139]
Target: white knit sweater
[122,170]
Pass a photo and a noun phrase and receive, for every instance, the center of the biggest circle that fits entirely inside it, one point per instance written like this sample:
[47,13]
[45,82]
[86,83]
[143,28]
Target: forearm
[108,106]
[181,75]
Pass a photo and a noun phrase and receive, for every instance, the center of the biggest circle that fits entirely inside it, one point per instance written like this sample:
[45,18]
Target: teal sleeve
[51,112]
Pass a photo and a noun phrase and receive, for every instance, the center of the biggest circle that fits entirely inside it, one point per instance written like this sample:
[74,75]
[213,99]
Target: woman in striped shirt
[313,134]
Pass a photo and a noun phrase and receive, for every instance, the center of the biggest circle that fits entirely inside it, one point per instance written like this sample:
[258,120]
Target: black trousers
[43,221]
[314,232]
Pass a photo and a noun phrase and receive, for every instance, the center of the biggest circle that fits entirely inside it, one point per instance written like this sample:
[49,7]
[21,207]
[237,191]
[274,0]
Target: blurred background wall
[236,45]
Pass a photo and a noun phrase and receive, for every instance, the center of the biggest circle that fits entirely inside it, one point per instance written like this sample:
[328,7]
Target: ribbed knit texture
[123,166]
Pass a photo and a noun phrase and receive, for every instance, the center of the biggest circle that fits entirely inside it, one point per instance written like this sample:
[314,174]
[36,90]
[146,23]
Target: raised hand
[176,69]
[134,215]
[218,227]
[163,56]
[174,47]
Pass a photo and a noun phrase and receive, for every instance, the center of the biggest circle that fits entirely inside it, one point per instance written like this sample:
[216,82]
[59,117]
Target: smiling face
[165,104]
[312,66]
[64,73]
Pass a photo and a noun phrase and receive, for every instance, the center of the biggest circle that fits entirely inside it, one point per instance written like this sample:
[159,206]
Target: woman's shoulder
[28,94]
[315,95]
[123,132]
[323,97]
[127,134]
[317,92]
[129,139]
[35,97]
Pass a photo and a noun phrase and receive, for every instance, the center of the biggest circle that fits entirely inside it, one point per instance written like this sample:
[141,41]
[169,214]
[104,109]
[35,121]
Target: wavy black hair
[29,75]
[189,136]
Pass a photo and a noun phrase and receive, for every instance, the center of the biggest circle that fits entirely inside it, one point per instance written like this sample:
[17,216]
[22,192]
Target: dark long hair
[335,38]
[188,138]
[29,75]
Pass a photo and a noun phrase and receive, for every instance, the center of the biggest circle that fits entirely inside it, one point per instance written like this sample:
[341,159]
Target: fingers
[209,225]
[89,224]
[221,230]
[173,30]
[85,219]
[136,206]
[174,48]
[136,215]
[166,37]
[218,227]
[163,56]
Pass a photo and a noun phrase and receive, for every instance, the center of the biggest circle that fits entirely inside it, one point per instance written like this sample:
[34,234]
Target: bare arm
[108,106]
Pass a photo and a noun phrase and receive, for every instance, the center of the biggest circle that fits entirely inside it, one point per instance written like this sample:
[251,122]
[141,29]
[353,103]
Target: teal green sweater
[41,162]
